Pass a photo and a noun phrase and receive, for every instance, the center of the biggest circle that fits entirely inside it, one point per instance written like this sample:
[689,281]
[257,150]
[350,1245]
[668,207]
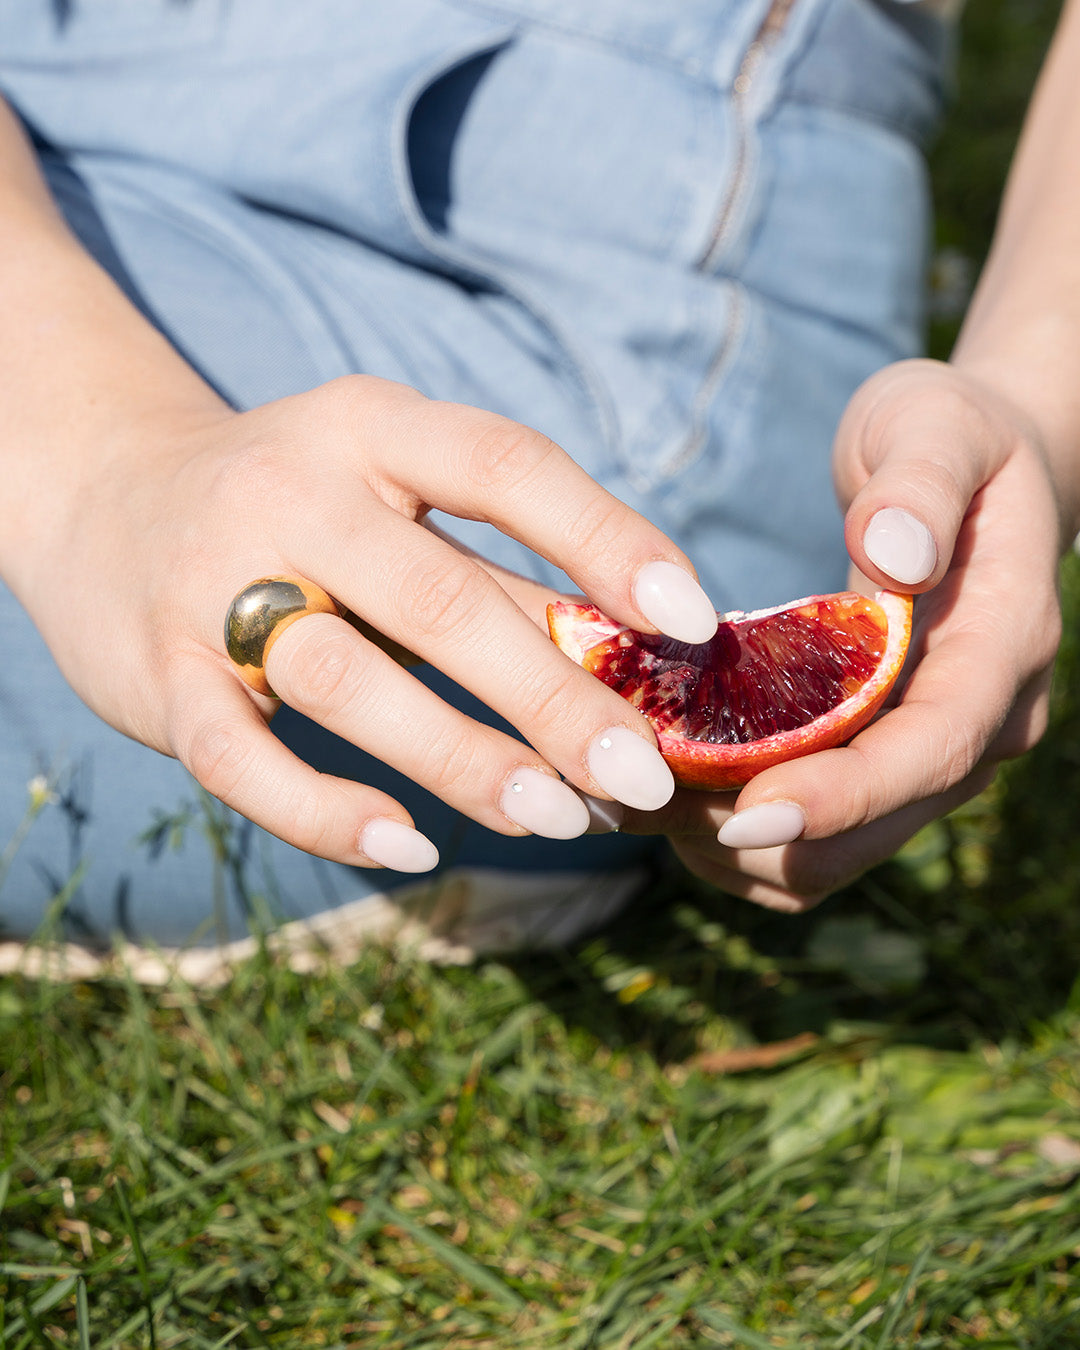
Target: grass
[710,1126]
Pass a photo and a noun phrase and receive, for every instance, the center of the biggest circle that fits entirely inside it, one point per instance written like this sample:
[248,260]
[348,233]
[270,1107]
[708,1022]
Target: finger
[690,812]
[931,741]
[323,668]
[434,601]
[798,875]
[533,597]
[913,450]
[483,467]
[220,736]
[1026,723]
[705,864]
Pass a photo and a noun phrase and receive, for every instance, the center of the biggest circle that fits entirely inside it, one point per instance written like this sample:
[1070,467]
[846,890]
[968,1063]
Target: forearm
[1022,333]
[81,368]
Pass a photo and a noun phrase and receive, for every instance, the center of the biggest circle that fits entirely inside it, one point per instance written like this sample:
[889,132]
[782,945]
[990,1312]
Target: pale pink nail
[671,599]
[630,769]
[766,826]
[900,545]
[397,846]
[543,805]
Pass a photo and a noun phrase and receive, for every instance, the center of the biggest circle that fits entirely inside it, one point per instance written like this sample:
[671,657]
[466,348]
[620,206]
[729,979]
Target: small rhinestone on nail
[605,742]
[516,787]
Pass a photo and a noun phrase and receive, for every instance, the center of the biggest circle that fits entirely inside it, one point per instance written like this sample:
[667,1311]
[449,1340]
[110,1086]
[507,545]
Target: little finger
[223,740]
[807,871]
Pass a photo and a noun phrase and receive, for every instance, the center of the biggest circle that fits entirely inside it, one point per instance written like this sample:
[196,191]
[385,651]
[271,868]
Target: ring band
[260,613]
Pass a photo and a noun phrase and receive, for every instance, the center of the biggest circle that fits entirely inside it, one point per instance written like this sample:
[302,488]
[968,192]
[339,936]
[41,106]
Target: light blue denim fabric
[628,223]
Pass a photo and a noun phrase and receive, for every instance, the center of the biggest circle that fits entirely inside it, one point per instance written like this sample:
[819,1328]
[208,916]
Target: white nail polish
[672,600]
[900,545]
[543,805]
[397,846]
[766,826]
[604,817]
[630,769]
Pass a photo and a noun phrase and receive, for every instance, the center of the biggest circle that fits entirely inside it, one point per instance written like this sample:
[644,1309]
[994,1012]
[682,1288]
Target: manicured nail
[397,846]
[631,769]
[764,826]
[604,817]
[543,805]
[900,545]
[672,600]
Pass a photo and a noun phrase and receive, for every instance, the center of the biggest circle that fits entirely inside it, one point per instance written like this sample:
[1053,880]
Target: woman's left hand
[949,496]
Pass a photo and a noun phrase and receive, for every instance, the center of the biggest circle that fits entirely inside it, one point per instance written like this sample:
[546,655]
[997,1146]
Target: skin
[141,511]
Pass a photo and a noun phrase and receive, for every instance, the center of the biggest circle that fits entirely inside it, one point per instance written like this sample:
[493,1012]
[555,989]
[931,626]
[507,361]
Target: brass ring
[260,613]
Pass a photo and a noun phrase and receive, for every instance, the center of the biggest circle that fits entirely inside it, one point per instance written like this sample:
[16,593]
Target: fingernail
[900,545]
[764,826]
[604,817]
[397,846]
[543,805]
[672,600]
[631,769]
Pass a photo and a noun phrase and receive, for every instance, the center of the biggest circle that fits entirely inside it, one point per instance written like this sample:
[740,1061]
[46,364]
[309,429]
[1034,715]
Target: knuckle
[356,392]
[255,474]
[218,755]
[811,882]
[503,454]
[957,758]
[1050,633]
[326,666]
[439,595]
[455,763]
[866,787]
[598,527]
[548,700]
[313,824]
[814,872]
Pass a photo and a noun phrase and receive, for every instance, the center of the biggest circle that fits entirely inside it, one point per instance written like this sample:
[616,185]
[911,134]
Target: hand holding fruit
[131,582]
[950,496]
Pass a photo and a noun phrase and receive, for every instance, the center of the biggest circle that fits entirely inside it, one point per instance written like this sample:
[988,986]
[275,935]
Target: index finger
[488,468]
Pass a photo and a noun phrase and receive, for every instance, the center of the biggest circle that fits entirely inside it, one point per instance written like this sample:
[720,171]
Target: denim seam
[691,445]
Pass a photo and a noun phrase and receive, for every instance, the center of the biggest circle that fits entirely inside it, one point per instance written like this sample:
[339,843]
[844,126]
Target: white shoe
[466,913]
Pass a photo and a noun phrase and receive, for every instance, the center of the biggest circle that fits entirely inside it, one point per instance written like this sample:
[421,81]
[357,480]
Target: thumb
[914,448]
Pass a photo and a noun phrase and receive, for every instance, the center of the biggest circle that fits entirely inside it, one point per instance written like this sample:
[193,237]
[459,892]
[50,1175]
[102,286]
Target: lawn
[710,1126]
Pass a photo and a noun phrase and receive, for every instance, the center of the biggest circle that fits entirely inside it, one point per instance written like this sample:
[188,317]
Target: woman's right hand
[131,575]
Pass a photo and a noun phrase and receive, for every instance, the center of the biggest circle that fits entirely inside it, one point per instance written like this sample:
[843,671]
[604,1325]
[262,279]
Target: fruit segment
[769,686]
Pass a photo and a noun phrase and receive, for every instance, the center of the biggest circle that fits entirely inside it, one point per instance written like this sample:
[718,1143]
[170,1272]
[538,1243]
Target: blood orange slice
[770,686]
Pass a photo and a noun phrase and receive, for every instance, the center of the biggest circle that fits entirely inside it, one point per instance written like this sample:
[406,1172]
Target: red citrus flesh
[770,686]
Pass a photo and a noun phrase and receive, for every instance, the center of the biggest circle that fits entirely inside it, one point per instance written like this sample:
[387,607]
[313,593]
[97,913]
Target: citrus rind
[588,636]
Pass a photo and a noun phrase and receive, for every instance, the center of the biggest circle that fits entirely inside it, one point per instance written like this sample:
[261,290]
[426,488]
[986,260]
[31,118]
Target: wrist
[86,385]
[1029,362]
